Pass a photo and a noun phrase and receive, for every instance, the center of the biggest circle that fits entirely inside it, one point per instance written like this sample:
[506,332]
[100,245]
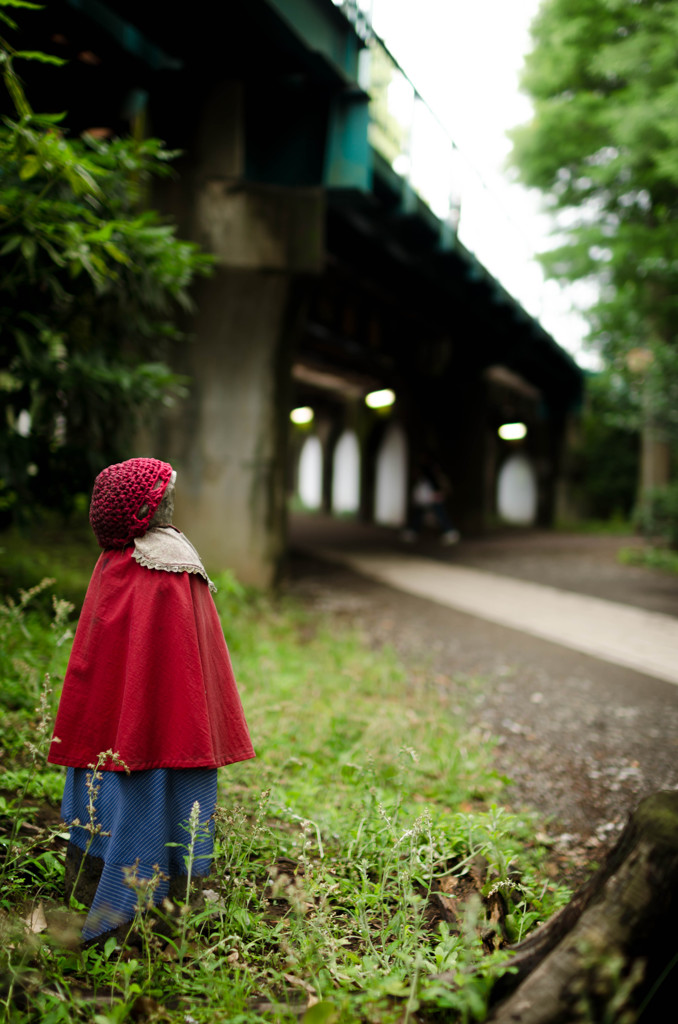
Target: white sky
[464,58]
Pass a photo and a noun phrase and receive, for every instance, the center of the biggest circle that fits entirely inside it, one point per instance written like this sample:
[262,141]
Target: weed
[650,557]
[615,525]
[92,827]
[27,650]
[330,848]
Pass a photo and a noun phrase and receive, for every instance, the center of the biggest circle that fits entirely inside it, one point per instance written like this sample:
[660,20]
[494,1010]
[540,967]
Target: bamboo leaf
[30,167]
[13,242]
[118,255]
[28,248]
[42,58]
[25,4]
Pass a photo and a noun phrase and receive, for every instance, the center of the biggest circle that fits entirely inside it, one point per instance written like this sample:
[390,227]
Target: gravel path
[581,740]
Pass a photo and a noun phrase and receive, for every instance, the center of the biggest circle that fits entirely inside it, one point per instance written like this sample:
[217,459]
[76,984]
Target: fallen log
[612,953]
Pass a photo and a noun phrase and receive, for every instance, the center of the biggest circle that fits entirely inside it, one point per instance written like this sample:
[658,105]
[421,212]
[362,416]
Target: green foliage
[367,791]
[26,650]
[650,558]
[31,552]
[657,515]
[606,456]
[33,653]
[614,527]
[92,283]
[603,148]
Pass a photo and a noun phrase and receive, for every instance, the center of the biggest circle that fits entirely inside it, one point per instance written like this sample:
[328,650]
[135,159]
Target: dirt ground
[582,740]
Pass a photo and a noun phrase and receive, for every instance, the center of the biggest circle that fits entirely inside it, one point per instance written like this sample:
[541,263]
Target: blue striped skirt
[143,817]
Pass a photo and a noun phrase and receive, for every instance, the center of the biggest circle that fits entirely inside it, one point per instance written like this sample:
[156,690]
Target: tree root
[607,955]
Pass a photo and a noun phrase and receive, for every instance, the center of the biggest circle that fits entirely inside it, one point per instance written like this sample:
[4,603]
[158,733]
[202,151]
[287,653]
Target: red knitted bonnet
[125,499]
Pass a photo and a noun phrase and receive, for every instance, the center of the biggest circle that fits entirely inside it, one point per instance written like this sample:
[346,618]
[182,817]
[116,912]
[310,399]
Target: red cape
[149,675]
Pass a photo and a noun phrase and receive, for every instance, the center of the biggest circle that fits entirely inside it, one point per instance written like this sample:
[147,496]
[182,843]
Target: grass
[650,558]
[53,547]
[365,869]
[615,526]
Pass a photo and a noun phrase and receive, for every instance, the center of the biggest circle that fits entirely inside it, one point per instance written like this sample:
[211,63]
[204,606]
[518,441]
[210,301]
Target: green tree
[606,458]
[603,148]
[92,283]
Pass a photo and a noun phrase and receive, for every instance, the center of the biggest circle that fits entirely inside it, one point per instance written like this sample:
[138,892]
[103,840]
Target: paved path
[542,641]
[646,641]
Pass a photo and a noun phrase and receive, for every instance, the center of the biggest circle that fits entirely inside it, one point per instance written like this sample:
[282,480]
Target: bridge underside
[332,279]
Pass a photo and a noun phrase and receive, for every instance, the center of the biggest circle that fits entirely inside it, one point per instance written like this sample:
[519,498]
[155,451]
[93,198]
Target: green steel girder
[128,37]
[347,153]
[324,30]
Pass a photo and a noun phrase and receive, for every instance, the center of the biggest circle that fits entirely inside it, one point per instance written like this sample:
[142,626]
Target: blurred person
[428,500]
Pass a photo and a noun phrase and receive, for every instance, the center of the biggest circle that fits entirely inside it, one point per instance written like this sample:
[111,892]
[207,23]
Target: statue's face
[165,510]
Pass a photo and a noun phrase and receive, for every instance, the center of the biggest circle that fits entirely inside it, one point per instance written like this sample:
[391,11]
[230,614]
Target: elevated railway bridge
[334,276]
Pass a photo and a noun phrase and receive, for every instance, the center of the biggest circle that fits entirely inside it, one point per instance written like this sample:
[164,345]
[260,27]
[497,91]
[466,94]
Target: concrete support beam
[262,227]
[230,493]
[471,502]
[228,442]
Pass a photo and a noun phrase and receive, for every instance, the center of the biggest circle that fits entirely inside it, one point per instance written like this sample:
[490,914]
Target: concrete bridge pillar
[469,451]
[228,442]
